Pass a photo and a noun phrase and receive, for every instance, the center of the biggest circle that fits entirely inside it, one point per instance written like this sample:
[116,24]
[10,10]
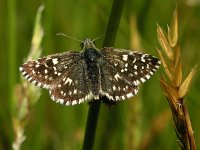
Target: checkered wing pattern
[123,71]
[63,74]
[76,77]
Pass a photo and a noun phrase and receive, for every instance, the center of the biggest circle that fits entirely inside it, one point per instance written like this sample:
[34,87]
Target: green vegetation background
[141,123]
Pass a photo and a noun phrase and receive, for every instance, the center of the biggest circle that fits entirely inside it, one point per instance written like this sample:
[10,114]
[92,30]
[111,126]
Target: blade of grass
[109,39]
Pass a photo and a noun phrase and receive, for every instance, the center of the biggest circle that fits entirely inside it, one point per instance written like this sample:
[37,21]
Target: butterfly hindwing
[113,85]
[72,87]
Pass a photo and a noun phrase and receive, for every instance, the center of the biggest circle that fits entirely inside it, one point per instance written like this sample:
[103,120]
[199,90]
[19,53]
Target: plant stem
[110,35]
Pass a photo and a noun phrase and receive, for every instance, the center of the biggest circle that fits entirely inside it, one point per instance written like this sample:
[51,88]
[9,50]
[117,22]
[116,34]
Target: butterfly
[75,77]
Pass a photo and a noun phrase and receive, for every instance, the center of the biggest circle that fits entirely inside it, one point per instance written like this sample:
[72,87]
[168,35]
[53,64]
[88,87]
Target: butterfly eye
[82,44]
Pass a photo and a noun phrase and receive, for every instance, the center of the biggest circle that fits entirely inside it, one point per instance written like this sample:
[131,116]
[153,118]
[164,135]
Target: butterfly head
[87,44]
[90,52]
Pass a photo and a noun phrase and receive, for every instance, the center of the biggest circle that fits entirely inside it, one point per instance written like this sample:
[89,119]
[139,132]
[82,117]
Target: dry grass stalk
[174,86]
[26,93]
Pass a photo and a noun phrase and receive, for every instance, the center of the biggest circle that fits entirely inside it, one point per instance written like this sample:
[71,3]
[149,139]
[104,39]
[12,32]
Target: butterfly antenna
[68,36]
[99,37]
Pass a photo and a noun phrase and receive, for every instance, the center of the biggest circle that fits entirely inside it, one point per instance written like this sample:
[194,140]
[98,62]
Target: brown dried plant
[174,87]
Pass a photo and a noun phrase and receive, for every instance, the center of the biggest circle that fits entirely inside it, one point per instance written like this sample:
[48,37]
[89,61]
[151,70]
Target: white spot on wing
[65,66]
[33,71]
[134,60]
[54,68]
[74,102]
[157,66]
[151,72]
[136,82]
[37,65]
[55,61]
[68,80]
[46,86]
[147,76]
[129,95]
[135,90]
[23,73]
[125,57]
[29,79]
[61,101]
[123,97]
[20,68]
[143,80]
[39,84]
[135,72]
[81,100]
[142,58]
[34,82]
[117,76]
[131,53]
[67,103]
[70,92]
[117,98]
[114,88]
[75,91]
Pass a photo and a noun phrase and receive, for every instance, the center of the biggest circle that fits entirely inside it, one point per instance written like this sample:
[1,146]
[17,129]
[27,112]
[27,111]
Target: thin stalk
[110,35]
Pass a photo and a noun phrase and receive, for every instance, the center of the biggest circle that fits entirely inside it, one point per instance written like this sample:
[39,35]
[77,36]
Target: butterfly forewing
[44,71]
[134,67]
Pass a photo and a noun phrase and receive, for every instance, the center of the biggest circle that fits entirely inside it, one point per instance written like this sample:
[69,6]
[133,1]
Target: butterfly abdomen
[91,57]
